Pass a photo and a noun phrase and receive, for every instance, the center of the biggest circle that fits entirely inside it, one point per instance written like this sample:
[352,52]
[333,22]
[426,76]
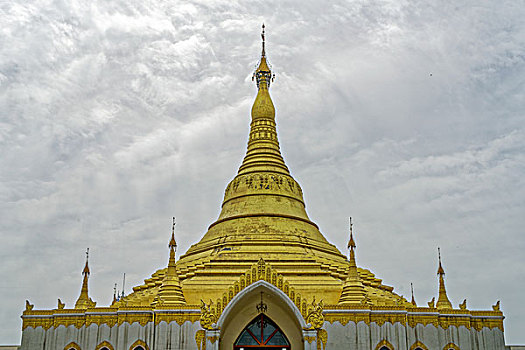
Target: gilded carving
[131,318]
[419,345]
[200,337]
[263,182]
[496,306]
[178,318]
[213,339]
[72,345]
[208,317]
[139,343]
[309,338]
[315,317]
[104,344]
[322,339]
[384,343]
[431,303]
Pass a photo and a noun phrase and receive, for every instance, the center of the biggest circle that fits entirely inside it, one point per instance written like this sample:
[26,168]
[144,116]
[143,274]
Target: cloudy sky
[406,115]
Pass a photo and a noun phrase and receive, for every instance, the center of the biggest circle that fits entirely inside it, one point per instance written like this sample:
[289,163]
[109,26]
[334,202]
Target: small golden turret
[84,301]
[353,288]
[170,291]
[442,302]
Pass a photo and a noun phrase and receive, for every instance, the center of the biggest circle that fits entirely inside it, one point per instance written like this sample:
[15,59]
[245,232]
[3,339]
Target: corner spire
[84,301]
[170,291]
[442,302]
[353,289]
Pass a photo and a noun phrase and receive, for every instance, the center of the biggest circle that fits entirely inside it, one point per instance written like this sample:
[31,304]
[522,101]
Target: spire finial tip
[441,271]
[173,243]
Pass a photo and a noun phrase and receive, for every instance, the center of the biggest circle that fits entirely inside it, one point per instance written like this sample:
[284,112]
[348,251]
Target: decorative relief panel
[270,182]
[413,318]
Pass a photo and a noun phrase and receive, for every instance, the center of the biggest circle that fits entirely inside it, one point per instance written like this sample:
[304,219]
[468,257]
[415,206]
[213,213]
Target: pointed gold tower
[170,291]
[263,216]
[353,289]
[442,302]
[84,301]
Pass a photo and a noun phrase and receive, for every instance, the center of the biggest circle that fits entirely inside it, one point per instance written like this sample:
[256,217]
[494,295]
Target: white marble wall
[181,337]
[366,337]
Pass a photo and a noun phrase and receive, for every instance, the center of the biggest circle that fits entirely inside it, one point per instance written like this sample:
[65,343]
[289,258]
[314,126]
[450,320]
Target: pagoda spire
[353,288]
[84,301]
[263,152]
[442,302]
[413,301]
[170,291]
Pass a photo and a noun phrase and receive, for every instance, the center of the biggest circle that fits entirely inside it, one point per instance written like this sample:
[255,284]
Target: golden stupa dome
[263,216]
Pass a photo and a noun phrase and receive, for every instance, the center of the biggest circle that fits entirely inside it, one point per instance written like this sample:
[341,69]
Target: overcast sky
[406,115]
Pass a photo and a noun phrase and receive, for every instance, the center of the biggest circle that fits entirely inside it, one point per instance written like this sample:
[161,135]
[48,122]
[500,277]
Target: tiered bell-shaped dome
[263,216]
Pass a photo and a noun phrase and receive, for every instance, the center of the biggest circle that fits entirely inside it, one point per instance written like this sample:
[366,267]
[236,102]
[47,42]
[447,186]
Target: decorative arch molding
[72,345]
[451,346]
[384,343]
[261,272]
[139,343]
[418,345]
[276,291]
[104,344]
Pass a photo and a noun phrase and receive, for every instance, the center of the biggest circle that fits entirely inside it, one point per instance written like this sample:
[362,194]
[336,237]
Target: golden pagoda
[263,265]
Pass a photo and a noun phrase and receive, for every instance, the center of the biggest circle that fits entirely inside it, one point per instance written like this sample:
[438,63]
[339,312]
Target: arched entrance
[242,311]
[261,333]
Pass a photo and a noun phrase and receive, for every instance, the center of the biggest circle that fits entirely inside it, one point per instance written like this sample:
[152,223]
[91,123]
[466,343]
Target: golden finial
[263,42]
[495,307]
[86,267]
[413,302]
[263,73]
[441,271]
[463,305]
[172,243]
[351,243]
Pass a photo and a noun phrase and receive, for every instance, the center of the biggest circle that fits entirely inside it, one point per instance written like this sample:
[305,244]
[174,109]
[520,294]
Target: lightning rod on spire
[263,41]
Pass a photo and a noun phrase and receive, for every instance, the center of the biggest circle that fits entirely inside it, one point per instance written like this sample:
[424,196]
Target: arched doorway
[241,311]
[261,333]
